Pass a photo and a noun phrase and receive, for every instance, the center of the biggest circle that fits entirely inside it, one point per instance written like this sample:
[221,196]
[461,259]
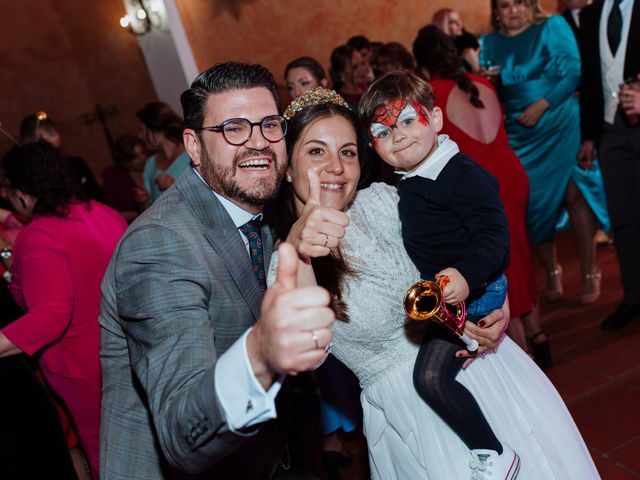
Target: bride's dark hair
[331,270]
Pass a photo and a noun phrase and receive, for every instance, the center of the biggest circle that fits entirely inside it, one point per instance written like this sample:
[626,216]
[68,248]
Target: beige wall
[274,32]
[64,57]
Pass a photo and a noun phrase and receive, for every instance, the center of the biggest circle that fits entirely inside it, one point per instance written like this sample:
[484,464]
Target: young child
[453,224]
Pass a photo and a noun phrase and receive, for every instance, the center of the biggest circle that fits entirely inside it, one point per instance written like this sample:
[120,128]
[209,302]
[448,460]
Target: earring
[289,178]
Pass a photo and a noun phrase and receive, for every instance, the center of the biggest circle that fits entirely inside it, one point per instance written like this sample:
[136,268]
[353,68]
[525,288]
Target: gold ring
[326,241]
[315,339]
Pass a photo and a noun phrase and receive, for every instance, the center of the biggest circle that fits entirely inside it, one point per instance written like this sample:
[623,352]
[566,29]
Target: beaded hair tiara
[317,96]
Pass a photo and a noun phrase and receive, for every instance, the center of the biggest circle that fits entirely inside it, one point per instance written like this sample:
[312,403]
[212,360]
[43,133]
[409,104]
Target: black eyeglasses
[238,131]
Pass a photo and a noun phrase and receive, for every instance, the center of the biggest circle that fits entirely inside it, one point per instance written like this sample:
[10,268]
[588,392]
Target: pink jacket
[58,265]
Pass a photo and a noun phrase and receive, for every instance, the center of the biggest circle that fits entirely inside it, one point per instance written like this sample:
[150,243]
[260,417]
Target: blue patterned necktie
[614,27]
[253,232]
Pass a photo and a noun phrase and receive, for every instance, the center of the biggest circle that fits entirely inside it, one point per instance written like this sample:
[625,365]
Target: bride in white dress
[406,439]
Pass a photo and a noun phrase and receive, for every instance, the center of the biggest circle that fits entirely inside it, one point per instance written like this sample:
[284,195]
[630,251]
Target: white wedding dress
[406,439]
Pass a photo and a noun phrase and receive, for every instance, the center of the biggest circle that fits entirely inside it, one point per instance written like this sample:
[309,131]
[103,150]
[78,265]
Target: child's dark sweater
[456,220]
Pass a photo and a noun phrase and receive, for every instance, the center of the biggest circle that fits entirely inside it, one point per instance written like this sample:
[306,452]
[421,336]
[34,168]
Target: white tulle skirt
[408,441]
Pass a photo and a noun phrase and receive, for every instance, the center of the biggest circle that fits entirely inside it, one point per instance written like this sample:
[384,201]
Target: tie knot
[251,227]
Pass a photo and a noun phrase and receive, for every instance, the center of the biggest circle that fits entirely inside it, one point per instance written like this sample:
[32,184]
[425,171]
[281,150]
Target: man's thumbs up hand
[294,329]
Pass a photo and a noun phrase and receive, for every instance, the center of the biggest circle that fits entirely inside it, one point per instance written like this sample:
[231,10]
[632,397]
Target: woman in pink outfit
[56,265]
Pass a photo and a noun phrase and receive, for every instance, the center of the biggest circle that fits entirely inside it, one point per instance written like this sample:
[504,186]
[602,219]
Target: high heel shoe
[541,351]
[554,290]
[332,461]
[591,287]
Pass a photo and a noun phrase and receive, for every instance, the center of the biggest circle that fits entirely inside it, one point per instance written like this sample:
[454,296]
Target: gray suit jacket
[177,294]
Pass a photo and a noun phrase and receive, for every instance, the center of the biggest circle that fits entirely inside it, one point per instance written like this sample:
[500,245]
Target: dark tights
[434,377]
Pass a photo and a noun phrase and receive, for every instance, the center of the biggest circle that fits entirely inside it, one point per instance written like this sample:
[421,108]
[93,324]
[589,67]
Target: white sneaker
[488,465]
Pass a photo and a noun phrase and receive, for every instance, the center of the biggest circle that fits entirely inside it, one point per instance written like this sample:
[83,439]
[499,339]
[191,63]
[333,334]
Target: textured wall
[274,32]
[64,57]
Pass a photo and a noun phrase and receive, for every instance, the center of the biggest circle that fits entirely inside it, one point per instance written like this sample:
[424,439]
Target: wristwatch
[6,253]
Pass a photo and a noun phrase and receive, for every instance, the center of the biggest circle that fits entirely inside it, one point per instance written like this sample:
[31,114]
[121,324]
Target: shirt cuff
[243,399]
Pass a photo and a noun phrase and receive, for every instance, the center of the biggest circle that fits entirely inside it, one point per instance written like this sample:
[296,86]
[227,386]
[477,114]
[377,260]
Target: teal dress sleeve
[148,173]
[564,57]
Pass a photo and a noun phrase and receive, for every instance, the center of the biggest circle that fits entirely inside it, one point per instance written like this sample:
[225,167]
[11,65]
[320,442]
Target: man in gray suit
[193,356]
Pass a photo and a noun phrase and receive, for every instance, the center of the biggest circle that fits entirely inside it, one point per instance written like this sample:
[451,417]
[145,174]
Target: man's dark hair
[221,78]
[359,42]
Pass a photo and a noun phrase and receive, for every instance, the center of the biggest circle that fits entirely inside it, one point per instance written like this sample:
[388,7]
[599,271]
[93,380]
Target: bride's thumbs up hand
[318,228]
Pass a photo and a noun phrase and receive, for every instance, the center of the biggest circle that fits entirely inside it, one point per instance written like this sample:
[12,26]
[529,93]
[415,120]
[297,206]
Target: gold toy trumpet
[423,301]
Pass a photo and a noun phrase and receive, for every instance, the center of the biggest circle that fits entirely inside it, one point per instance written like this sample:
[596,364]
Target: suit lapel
[267,243]
[570,20]
[224,237]
[631,62]
[589,33]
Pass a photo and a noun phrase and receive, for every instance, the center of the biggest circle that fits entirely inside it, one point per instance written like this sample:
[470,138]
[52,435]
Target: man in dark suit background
[193,357]
[572,13]
[609,37]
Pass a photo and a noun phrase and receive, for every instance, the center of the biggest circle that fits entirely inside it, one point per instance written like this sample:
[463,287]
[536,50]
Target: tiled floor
[596,372]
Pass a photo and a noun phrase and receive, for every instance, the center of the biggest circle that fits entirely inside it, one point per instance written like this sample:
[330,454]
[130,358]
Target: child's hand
[457,289]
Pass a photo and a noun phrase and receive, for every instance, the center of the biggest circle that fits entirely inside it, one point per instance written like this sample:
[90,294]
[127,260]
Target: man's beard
[222,179]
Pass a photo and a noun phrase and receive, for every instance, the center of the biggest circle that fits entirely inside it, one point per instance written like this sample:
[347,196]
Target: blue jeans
[492,298]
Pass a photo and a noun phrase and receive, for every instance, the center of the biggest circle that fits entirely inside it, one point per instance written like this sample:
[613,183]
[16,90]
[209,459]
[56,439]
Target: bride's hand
[488,332]
[318,229]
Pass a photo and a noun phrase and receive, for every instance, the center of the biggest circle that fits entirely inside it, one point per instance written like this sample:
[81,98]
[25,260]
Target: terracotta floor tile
[573,380]
[614,358]
[570,336]
[610,470]
[608,417]
[631,378]
[629,455]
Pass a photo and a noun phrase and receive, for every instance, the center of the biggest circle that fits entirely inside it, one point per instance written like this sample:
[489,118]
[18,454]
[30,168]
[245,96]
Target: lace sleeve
[272,273]
[375,212]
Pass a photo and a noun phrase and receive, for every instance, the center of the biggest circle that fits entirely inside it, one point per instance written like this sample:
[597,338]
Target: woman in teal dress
[539,76]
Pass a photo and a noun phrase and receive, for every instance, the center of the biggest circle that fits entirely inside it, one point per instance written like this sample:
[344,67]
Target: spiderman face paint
[402,133]
[388,114]
[397,115]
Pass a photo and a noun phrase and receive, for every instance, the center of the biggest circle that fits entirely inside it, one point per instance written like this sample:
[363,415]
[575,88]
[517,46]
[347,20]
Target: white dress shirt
[432,166]
[243,400]
[612,67]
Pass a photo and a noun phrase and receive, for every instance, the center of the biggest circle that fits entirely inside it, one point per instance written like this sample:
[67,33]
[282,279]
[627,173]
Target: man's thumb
[287,266]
